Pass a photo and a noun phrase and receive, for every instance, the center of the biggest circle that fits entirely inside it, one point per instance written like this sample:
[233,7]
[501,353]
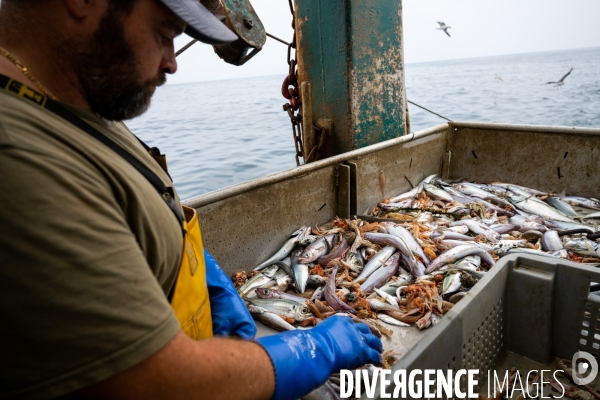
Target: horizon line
[406,63]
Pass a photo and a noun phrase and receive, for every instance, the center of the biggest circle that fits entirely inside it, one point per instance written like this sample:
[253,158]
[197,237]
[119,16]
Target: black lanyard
[23,91]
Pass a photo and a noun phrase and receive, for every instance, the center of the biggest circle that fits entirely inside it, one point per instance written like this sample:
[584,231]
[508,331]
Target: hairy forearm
[215,368]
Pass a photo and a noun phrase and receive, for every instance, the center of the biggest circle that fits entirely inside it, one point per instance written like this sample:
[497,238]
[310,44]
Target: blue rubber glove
[304,359]
[229,313]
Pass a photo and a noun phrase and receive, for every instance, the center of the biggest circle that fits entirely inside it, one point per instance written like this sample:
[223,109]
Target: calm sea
[222,133]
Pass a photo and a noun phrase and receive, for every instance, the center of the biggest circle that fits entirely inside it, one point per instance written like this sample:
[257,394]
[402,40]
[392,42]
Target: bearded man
[106,289]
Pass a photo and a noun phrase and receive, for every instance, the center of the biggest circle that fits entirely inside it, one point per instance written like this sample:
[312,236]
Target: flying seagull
[561,81]
[499,78]
[444,27]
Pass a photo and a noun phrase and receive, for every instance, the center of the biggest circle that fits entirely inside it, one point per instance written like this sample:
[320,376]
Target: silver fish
[355,260]
[411,194]
[451,283]
[551,241]
[300,274]
[388,298]
[285,265]
[561,206]
[532,252]
[437,193]
[270,319]
[407,238]
[451,235]
[316,249]
[404,279]
[521,192]
[473,190]
[379,305]
[593,215]
[285,250]
[265,293]
[469,262]
[583,247]
[527,225]
[572,225]
[382,274]
[376,262]
[538,208]
[315,281]
[389,240]
[503,228]
[392,321]
[337,251]
[259,280]
[284,308]
[479,228]
[592,203]
[456,253]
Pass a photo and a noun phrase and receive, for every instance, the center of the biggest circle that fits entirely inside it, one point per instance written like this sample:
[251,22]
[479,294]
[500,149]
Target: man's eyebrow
[175,24]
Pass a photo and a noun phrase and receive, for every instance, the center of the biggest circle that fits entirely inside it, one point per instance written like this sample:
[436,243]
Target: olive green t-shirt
[88,253]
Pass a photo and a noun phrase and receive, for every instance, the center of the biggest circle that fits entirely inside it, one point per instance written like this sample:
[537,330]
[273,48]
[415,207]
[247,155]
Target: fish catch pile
[415,255]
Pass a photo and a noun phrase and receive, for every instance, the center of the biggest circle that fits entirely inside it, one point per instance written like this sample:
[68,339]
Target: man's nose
[169,62]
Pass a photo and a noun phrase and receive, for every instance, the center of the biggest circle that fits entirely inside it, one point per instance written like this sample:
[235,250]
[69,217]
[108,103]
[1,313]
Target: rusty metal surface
[243,20]
[352,54]
[541,157]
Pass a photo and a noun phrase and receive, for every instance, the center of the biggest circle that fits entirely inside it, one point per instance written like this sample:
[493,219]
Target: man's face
[127,57]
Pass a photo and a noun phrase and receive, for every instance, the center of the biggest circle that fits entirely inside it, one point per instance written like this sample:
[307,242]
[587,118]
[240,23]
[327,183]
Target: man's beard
[108,72]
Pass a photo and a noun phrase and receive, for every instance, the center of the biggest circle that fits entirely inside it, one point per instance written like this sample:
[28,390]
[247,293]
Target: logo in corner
[583,363]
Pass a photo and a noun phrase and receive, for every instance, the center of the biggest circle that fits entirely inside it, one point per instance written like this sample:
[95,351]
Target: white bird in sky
[444,27]
[562,80]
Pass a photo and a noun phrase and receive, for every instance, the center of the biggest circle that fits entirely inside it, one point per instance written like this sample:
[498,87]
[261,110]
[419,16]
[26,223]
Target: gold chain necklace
[26,72]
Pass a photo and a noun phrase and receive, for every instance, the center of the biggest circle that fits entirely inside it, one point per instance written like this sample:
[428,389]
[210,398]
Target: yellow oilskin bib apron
[190,300]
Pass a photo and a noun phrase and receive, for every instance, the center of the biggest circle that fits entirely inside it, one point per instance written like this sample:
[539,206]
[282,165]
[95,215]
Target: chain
[290,91]
[26,72]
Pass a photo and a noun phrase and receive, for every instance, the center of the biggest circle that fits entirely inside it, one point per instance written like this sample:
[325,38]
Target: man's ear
[81,9]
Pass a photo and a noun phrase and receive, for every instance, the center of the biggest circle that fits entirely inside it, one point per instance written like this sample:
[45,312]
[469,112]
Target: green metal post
[351,53]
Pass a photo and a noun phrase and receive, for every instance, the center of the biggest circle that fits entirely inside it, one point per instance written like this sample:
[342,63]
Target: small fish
[259,280]
[265,293]
[270,319]
[592,203]
[451,284]
[285,250]
[457,253]
[392,321]
[376,262]
[382,274]
[315,281]
[300,274]
[479,228]
[562,206]
[388,298]
[551,241]
[316,249]
[284,308]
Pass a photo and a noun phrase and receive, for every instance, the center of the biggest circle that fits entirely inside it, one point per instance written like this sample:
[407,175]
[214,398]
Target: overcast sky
[479,28]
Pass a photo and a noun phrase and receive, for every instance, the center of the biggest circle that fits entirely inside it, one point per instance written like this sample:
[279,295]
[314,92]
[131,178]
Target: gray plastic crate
[524,313]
